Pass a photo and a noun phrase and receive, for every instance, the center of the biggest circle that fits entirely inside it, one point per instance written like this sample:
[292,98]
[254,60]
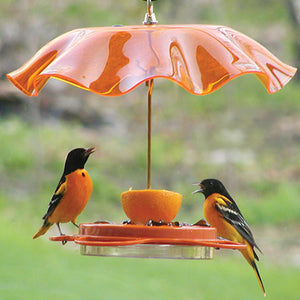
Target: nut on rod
[150,15]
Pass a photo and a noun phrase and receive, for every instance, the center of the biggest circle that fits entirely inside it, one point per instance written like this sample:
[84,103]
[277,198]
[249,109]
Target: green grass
[270,209]
[40,269]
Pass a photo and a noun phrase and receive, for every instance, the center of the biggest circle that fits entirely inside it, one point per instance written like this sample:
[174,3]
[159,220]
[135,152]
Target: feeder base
[140,241]
[150,251]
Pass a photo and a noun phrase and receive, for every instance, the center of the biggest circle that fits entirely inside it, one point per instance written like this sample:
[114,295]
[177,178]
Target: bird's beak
[89,151]
[201,188]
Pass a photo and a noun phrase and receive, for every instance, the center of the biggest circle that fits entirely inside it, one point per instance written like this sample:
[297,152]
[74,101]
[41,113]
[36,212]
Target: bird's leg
[64,241]
[60,232]
[75,224]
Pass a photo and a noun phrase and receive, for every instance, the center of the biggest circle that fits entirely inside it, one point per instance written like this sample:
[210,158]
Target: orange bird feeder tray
[111,61]
[185,242]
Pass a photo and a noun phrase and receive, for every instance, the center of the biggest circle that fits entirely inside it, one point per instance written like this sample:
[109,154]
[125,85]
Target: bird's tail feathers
[249,254]
[42,230]
[253,264]
[255,255]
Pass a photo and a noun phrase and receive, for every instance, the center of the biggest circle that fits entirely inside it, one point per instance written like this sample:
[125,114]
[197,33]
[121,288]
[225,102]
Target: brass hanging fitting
[150,15]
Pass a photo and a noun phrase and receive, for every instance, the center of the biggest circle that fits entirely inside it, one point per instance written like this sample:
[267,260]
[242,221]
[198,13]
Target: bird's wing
[231,213]
[58,194]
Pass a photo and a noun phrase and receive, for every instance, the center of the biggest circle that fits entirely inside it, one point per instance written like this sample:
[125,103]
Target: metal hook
[150,15]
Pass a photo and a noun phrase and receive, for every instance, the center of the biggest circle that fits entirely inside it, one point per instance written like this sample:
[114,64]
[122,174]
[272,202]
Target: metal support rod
[150,88]
[149,8]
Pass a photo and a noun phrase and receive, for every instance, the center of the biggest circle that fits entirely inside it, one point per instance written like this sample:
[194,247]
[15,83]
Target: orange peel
[141,206]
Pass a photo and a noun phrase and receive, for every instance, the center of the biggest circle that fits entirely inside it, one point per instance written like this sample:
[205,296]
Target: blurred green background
[240,134]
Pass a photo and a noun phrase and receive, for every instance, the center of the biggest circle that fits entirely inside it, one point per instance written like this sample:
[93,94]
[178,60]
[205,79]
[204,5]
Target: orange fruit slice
[140,206]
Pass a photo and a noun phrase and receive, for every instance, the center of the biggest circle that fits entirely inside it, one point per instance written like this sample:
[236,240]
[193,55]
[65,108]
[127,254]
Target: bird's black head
[76,159]
[211,186]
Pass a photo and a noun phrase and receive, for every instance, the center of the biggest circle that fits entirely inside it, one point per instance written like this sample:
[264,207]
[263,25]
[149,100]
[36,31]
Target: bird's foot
[63,241]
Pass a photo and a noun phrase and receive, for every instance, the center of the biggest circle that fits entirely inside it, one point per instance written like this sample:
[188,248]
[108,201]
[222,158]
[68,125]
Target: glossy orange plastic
[107,235]
[112,61]
[141,206]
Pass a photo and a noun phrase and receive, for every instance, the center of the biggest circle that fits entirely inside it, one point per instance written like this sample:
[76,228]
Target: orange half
[141,206]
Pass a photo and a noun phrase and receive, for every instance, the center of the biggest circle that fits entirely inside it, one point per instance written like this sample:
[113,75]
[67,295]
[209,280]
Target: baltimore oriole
[221,212]
[72,192]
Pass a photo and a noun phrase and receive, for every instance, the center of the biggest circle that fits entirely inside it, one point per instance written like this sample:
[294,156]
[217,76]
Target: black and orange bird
[221,212]
[72,192]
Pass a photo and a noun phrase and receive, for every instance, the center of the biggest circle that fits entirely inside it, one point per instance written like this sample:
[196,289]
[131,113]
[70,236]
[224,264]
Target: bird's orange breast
[78,190]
